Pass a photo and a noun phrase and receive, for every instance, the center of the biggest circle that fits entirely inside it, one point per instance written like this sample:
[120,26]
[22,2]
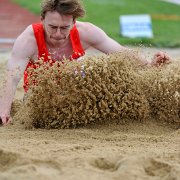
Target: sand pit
[148,147]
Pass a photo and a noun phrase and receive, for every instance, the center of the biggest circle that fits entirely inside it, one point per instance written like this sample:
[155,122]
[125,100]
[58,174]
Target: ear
[74,21]
[42,19]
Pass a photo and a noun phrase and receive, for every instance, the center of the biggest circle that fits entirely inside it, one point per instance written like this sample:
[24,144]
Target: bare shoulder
[26,42]
[27,35]
[93,36]
[84,25]
[87,27]
[89,33]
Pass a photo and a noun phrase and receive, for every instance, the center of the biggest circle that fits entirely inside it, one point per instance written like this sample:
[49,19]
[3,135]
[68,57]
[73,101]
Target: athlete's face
[57,27]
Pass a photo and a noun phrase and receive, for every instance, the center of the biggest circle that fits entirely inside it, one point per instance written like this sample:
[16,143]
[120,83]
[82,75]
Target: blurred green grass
[105,14]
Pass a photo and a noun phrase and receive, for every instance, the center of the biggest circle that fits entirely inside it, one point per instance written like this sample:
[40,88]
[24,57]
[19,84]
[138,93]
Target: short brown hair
[65,7]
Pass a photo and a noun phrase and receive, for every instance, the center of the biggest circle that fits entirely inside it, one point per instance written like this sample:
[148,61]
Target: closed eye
[53,27]
[65,27]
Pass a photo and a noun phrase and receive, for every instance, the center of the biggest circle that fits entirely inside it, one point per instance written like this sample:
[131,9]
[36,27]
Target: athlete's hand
[4,117]
[160,58]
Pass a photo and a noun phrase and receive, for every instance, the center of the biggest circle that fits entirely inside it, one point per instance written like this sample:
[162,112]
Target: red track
[13,20]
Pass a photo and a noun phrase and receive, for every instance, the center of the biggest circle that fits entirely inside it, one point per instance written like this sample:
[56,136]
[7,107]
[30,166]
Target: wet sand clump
[94,90]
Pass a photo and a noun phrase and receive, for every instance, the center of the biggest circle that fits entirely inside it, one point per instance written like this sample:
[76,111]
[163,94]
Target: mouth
[58,39]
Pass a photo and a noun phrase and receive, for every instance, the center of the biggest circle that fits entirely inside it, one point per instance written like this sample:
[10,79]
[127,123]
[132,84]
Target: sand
[131,150]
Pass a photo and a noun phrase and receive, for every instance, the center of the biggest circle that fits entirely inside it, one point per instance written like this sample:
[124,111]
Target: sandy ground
[148,150]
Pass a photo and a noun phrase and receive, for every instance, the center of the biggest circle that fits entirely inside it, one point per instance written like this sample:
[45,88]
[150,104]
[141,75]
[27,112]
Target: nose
[58,32]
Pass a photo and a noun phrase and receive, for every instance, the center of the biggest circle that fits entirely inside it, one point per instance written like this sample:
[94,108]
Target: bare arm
[23,49]
[92,36]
